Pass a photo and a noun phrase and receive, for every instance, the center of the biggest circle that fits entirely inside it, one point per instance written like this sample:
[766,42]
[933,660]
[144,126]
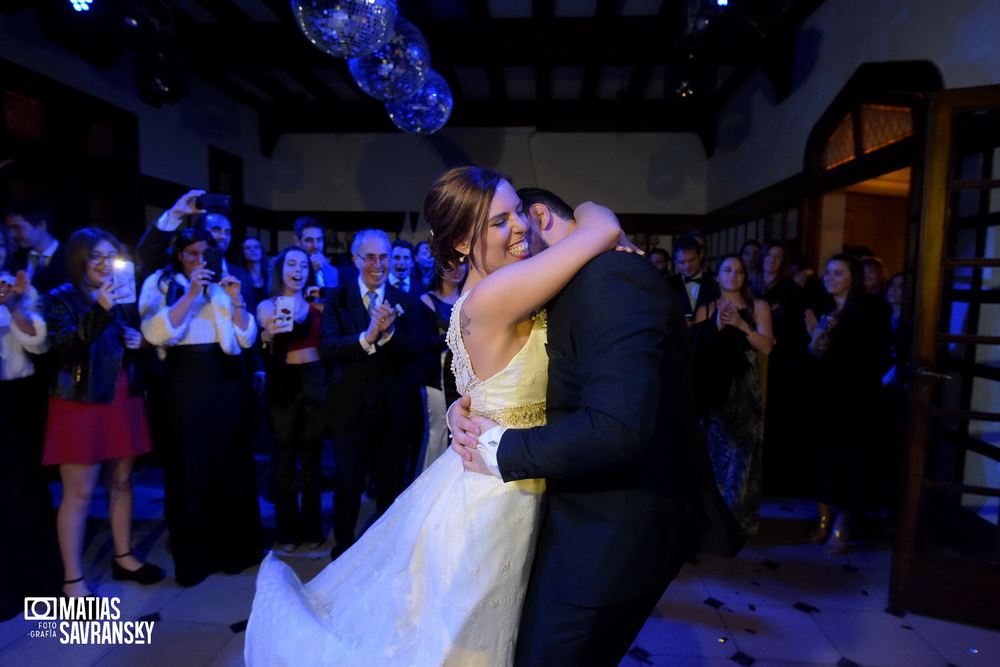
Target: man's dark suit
[417,287]
[372,400]
[708,293]
[50,276]
[630,493]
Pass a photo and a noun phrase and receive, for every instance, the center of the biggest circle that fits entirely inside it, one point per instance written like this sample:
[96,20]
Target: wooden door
[947,557]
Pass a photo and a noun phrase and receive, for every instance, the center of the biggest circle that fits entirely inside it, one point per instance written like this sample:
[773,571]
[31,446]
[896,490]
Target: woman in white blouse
[32,565]
[199,324]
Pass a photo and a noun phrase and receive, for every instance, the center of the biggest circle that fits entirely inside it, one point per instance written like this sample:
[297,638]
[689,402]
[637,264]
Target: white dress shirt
[209,320]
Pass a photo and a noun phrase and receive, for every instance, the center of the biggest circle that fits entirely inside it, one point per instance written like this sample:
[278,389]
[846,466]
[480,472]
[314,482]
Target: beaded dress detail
[439,579]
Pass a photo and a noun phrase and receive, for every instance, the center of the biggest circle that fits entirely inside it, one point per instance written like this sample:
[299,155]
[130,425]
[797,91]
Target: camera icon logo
[41,609]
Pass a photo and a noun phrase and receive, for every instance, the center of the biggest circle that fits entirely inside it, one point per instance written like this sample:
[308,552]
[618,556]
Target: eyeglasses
[96,258]
[371,259]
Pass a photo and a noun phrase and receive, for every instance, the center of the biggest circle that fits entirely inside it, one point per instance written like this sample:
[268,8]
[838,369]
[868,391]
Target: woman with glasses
[199,323]
[96,416]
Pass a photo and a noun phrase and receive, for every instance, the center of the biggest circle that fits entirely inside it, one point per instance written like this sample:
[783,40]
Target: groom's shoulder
[615,265]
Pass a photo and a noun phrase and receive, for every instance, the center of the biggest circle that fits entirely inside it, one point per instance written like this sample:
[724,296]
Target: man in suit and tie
[692,284]
[310,237]
[40,253]
[630,491]
[401,271]
[373,334]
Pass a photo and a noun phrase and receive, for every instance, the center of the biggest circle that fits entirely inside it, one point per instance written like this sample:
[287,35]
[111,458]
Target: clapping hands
[728,316]
[382,321]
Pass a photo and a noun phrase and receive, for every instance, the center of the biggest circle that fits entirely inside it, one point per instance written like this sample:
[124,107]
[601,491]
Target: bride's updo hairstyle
[456,208]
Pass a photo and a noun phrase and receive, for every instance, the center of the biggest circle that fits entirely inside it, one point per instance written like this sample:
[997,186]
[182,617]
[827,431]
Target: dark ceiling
[554,65]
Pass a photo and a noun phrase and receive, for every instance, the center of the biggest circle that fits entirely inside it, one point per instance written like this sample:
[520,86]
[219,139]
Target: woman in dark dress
[441,392]
[96,415]
[731,332]
[295,392]
[200,327]
[848,344]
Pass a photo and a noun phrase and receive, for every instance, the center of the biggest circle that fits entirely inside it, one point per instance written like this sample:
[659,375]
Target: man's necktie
[35,261]
[696,281]
[372,302]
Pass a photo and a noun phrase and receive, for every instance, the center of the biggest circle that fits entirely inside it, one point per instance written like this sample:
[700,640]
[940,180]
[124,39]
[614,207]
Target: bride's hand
[463,430]
[475,463]
[625,245]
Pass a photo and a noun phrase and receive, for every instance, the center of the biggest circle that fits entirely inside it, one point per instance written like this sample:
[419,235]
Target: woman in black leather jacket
[96,413]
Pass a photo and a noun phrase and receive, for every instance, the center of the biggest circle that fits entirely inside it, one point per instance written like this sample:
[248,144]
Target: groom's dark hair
[530,196]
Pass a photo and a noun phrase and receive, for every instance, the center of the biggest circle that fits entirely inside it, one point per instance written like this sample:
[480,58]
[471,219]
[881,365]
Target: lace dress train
[439,579]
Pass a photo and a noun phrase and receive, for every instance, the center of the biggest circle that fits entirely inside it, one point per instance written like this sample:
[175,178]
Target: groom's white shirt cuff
[489,443]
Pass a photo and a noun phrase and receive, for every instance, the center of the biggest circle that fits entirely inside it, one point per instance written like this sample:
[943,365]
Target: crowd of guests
[107,354]
[799,379]
[98,368]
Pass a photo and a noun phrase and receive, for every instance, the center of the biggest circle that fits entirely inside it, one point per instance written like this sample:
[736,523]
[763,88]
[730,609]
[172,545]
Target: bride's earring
[461,259]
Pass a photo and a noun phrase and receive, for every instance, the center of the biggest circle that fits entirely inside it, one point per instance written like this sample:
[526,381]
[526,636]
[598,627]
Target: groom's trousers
[556,634]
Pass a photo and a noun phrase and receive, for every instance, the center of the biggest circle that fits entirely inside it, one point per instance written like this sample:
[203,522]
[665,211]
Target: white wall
[632,173]
[761,143]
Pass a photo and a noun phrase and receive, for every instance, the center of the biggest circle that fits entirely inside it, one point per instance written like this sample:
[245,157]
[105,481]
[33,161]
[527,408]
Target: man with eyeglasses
[374,335]
[40,253]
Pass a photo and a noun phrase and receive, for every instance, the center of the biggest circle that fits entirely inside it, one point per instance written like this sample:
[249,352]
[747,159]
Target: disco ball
[427,110]
[396,69]
[346,28]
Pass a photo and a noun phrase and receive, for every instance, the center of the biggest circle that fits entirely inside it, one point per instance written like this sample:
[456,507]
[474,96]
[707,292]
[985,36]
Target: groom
[630,493]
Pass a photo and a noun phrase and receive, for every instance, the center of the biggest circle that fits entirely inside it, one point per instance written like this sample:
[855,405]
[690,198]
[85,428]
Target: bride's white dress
[439,579]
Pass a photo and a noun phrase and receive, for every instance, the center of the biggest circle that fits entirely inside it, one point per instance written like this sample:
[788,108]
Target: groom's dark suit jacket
[630,491]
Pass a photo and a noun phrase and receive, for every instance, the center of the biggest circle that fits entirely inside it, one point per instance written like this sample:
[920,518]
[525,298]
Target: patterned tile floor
[782,601]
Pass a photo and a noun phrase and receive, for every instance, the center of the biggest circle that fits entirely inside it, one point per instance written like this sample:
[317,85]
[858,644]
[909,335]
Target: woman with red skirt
[96,417]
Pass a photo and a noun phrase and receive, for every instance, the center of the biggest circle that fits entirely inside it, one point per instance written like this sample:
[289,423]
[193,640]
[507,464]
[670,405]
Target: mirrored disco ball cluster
[387,55]
[346,28]
[396,69]
[426,111]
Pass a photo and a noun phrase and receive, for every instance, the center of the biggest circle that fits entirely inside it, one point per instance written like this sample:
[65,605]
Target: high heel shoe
[70,582]
[837,544]
[821,530]
[145,575]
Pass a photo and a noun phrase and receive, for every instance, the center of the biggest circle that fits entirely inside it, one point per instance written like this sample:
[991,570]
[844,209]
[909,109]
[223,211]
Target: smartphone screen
[214,202]
[213,262]
[123,276]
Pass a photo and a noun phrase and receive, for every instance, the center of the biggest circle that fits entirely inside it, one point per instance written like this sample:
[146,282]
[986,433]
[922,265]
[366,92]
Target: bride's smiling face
[506,238]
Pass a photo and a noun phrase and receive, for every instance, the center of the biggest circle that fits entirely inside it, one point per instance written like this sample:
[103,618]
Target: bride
[439,579]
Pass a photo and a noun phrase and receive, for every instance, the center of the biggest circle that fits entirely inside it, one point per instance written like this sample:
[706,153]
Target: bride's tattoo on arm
[464,322]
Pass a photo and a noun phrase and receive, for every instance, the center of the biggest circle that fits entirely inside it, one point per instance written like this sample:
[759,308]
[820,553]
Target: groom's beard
[536,242]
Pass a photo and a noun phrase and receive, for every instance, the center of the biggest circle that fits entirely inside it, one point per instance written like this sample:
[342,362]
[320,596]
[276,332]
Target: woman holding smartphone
[200,327]
[295,393]
[96,416]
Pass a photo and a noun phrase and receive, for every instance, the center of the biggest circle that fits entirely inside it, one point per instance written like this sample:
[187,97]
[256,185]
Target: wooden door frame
[909,588]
